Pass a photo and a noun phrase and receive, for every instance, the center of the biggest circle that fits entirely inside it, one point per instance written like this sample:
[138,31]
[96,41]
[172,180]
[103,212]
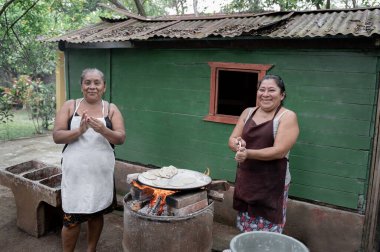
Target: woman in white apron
[89,128]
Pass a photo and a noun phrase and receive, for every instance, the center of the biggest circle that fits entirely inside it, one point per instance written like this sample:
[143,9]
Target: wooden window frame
[212,116]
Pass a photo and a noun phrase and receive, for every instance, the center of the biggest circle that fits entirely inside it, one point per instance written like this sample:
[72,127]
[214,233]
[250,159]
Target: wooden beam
[372,207]
[60,91]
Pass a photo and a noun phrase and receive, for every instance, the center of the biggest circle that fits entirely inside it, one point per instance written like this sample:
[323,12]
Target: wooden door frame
[373,197]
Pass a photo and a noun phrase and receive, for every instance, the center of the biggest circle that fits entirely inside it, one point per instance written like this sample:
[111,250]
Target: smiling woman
[262,139]
[89,127]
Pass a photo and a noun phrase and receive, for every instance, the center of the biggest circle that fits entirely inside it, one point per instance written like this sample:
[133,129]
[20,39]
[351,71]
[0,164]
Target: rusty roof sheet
[350,23]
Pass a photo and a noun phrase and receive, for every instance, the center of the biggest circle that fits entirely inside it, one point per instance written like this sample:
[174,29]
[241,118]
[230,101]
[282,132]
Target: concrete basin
[53,181]
[36,187]
[25,167]
[42,173]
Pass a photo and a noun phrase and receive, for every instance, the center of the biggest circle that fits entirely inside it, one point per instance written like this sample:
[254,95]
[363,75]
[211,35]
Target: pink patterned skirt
[246,223]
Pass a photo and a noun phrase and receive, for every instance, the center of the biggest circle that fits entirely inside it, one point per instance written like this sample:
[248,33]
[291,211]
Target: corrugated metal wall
[164,95]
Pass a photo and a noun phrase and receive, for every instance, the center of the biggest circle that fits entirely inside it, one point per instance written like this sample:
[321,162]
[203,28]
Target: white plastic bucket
[257,241]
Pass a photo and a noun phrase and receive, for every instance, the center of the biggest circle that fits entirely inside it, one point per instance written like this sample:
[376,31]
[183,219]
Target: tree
[21,24]
[195,7]
[140,8]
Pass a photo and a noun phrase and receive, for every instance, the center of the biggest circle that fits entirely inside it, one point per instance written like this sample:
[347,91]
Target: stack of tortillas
[166,177]
[165,172]
[183,181]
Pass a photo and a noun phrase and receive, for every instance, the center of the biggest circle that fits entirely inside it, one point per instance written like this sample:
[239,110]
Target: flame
[156,193]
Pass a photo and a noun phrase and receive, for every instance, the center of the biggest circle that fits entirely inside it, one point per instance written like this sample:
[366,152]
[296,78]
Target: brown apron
[259,185]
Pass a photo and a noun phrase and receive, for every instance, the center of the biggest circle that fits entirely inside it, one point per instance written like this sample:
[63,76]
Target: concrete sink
[36,187]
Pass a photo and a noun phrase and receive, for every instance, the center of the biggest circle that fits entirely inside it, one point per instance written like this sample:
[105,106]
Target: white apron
[87,171]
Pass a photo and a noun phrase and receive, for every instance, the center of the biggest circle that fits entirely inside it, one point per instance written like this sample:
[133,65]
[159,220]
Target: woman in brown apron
[262,139]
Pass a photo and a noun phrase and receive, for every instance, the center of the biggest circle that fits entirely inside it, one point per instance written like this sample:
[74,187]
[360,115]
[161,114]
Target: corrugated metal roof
[350,23]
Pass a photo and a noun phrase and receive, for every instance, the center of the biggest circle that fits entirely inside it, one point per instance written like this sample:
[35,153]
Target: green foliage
[41,105]
[37,98]
[20,26]
[21,126]
[6,113]
[19,91]
[288,5]
[23,23]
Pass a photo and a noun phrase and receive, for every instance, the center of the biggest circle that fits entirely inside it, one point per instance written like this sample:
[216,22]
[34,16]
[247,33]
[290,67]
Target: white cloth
[87,171]
[276,122]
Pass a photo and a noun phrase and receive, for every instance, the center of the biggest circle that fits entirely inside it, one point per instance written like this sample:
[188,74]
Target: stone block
[183,199]
[184,211]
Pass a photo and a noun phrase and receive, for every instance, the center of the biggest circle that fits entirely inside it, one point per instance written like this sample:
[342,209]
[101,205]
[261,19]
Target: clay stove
[184,222]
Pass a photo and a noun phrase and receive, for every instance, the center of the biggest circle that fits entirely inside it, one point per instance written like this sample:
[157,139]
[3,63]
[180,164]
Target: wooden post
[60,91]
[373,197]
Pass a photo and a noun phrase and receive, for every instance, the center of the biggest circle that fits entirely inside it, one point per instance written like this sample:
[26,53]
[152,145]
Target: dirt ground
[13,239]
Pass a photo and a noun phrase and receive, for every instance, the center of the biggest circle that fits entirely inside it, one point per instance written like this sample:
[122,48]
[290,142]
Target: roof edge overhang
[247,42]
[129,15]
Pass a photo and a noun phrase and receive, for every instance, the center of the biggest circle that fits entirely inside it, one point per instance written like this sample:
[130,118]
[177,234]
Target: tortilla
[160,182]
[168,171]
[188,180]
[176,183]
[155,172]
[149,175]
[182,181]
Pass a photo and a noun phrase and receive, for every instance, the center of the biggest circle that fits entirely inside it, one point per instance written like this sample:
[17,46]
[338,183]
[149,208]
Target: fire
[158,196]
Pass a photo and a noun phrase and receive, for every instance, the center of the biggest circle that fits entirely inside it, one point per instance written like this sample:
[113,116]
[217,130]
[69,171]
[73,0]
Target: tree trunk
[117,4]
[140,8]
[328,4]
[195,7]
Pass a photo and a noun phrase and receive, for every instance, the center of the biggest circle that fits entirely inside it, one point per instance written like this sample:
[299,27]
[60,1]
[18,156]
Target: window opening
[236,91]
[232,89]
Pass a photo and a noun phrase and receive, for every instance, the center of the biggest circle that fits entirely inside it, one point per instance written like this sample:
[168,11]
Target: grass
[21,127]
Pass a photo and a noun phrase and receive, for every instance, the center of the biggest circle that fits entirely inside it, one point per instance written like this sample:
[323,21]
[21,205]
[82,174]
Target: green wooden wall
[164,95]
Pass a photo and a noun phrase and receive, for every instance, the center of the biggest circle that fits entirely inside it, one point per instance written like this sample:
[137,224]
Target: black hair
[277,79]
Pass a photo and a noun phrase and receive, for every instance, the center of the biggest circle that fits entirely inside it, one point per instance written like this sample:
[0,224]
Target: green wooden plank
[337,168]
[170,100]
[165,82]
[328,79]
[214,132]
[161,70]
[323,125]
[331,154]
[318,136]
[170,55]
[338,62]
[338,183]
[333,94]
[338,198]
[331,110]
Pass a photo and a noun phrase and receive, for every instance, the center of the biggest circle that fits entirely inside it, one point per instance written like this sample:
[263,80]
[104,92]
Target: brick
[188,209]
[182,199]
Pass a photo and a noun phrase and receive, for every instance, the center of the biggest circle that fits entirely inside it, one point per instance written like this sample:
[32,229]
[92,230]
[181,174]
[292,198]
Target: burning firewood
[155,209]
[158,197]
